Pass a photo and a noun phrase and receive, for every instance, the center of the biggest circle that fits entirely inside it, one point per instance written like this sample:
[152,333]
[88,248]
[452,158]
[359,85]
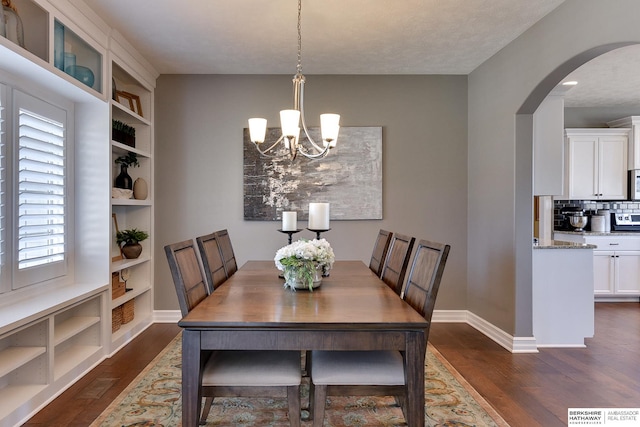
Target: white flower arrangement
[303,257]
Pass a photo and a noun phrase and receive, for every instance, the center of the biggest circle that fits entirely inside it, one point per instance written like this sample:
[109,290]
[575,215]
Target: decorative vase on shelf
[80,73]
[132,250]
[296,280]
[140,189]
[124,180]
[12,25]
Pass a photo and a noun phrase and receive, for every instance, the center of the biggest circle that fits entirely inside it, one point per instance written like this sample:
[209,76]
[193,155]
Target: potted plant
[123,133]
[304,262]
[129,241]
[123,180]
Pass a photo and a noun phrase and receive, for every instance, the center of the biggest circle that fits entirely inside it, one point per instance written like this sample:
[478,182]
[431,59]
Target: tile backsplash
[591,206]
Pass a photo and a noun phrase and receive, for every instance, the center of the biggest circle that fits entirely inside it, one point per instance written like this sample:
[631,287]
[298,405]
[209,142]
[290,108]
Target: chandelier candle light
[290,120]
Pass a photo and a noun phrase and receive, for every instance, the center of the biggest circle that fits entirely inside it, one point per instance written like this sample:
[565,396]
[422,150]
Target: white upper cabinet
[596,164]
[633,123]
[548,147]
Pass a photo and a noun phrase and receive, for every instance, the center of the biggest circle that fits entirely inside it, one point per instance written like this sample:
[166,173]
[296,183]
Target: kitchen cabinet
[548,147]
[596,164]
[633,123]
[616,264]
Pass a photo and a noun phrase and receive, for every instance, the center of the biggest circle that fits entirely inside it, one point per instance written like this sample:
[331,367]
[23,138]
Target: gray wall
[592,117]
[198,169]
[515,80]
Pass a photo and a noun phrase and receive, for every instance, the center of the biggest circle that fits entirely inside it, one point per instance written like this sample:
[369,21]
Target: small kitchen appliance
[634,184]
[625,222]
[565,214]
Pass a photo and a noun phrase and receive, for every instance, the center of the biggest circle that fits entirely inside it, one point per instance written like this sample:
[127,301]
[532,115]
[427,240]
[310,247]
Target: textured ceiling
[351,37]
[338,36]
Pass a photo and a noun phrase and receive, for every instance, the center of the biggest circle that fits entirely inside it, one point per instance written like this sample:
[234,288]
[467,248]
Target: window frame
[13,280]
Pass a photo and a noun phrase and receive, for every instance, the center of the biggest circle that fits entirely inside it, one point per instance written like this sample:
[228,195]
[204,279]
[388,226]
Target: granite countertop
[557,244]
[600,233]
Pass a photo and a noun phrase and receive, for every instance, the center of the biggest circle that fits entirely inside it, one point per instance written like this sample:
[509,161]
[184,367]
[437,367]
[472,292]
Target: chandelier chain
[299,66]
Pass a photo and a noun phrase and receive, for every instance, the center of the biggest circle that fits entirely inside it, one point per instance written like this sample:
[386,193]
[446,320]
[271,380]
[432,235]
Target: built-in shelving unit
[36,358]
[132,104]
[50,337]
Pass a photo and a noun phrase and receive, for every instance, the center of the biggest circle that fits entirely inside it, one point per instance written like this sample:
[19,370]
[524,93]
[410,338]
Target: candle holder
[290,233]
[318,232]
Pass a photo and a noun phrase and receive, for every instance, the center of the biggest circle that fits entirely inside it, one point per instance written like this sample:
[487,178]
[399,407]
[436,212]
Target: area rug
[153,399]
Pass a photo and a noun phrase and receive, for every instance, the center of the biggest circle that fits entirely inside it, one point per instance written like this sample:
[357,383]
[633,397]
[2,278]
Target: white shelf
[73,326]
[121,148]
[126,263]
[12,358]
[71,357]
[14,396]
[128,296]
[120,112]
[131,202]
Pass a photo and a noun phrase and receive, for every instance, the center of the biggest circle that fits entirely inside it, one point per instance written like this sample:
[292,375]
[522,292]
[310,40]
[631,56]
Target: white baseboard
[511,343]
[167,316]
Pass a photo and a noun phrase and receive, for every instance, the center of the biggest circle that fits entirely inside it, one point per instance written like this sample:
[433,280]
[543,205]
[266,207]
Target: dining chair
[397,261]
[212,262]
[380,249]
[226,249]
[234,373]
[378,373]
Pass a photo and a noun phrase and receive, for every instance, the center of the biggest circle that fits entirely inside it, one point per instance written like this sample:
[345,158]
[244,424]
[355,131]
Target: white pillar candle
[289,221]
[318,216]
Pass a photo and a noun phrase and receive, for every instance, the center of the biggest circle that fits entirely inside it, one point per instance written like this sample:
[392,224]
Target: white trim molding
[167,316]
[509,342]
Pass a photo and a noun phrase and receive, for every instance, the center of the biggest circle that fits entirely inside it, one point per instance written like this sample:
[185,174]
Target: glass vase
[294,278]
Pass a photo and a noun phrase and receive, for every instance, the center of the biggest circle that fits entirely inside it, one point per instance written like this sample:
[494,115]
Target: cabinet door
[603,272]
[628,273]
[612,167]
[582,166]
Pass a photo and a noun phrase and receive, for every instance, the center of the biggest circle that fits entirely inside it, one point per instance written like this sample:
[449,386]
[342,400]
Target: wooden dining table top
[352,297]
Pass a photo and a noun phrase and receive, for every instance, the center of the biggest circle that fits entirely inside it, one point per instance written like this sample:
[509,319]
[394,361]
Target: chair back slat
[424,278]
[397,261]
[380,251]
[187,276]
[228,257]
[212,262]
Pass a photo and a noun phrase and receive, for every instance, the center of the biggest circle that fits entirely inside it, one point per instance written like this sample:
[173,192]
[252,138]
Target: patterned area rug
[154,399]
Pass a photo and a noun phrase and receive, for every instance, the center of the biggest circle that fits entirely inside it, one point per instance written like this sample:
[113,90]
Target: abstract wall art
[349,178]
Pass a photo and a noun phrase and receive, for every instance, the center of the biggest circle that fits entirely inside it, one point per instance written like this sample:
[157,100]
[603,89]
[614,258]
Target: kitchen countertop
[599,233]
[558,244]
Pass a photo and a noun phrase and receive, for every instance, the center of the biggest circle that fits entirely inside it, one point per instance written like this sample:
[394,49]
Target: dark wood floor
[526,389]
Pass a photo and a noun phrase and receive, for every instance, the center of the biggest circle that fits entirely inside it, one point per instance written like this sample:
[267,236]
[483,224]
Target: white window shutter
[41,190]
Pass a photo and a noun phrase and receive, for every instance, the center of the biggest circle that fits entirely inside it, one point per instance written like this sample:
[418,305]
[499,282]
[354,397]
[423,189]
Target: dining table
[353,309]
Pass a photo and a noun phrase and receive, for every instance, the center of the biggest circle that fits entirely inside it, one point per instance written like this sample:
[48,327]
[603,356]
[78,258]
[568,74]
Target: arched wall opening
[524,181]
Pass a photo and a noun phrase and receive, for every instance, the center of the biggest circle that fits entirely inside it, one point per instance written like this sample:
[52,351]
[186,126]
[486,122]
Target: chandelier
[292,120]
